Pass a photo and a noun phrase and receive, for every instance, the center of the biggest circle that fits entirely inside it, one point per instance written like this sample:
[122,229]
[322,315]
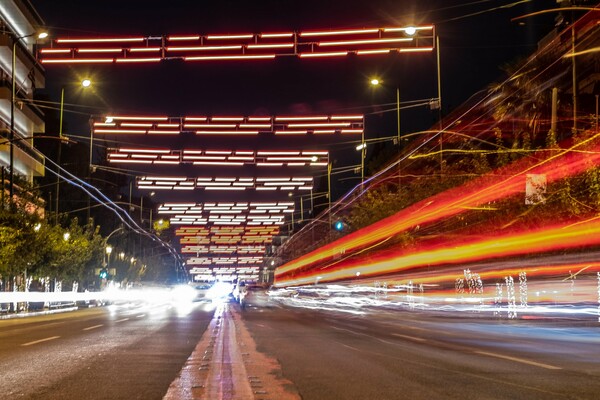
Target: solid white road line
[92,327]
[418,339]
[520,360]
[40,341]
[122,320]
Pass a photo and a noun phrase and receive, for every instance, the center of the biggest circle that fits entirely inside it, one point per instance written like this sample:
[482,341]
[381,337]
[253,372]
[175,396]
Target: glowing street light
[377,82]
[411,30]
[85,83]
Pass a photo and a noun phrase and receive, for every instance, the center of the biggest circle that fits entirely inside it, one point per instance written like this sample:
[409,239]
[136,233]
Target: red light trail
[501,184]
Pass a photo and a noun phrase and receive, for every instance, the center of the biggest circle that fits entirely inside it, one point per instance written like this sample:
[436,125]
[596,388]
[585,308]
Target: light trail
[486,189]
[561,237]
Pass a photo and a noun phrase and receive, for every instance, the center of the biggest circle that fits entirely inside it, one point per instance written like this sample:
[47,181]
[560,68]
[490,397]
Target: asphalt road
[115,352]
[136,352]
[409,355]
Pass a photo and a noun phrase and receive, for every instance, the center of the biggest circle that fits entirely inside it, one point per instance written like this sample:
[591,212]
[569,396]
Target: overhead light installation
[239,47]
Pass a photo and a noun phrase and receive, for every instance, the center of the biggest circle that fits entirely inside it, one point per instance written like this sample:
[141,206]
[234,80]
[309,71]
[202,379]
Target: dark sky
[472,48]
[476,38]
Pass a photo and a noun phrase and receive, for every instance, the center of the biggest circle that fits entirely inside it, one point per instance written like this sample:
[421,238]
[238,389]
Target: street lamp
[85,83]
[109,250]
[377,82]
[16,40]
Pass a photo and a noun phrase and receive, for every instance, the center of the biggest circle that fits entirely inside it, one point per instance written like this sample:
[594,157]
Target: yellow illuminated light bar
[247,46]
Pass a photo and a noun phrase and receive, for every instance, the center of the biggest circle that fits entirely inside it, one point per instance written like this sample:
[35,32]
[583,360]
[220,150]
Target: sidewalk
[24,314]
[226,365]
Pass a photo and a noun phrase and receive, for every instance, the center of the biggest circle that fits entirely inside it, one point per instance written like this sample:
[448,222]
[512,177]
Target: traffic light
[103,273]
[338,226]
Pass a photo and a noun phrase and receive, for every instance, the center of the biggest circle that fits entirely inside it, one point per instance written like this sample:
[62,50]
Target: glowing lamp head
[108,250]
[411,30]
[375,81]
[42,35]
[86,83]
[109,120]
[66,236]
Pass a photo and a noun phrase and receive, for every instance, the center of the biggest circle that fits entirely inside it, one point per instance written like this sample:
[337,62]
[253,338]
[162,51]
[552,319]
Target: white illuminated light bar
[249,226]
[191,233]
[306,158]
[229,125]
[217,183]
[223,249]
[224,274]
[250,46]
[252,260]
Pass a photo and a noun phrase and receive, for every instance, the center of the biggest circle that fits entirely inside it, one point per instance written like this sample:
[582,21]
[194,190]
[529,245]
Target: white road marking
[418,339]
[520,360]
[92,327]
[40,341]
[140,316]
[122,320]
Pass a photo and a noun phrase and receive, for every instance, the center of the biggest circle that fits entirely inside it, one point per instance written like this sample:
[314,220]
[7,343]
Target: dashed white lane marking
[40,341]
[92,327]
[418,339]
[520,360]
[122,320]
[140,316]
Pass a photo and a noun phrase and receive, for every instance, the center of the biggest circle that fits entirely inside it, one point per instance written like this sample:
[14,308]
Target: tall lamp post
[16,40]
[85,83]
[376,82]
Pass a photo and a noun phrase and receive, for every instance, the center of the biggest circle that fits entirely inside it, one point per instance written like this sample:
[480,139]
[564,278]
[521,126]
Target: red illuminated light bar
[233,158]
[229,125]
[229,231]
[101,40]
[247,46]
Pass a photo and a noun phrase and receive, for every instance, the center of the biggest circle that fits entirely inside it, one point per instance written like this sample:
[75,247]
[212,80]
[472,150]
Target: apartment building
[20,26]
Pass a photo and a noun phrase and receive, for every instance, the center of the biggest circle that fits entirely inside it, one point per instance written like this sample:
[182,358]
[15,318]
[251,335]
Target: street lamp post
[376,82]
[85,83]
[15,41]
[108,253]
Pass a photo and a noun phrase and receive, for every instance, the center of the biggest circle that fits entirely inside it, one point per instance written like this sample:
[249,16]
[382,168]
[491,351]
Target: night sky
[476,37]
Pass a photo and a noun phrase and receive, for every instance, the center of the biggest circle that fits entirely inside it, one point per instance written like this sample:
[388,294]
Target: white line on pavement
[122,320]
[520,360]
[92,327]
[40,341]
[418,339]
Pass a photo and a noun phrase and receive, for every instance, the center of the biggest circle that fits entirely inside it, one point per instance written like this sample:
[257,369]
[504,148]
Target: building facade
[20,25]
